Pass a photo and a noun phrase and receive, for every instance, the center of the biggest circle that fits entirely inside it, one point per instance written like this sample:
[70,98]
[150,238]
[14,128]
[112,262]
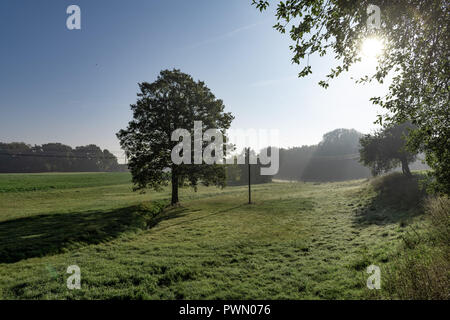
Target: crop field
[296,241]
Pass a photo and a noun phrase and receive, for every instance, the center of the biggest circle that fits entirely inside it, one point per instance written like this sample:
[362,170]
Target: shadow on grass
[50,234]
[398,199]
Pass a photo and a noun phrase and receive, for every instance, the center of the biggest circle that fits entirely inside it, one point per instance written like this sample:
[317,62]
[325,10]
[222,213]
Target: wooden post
[249,177]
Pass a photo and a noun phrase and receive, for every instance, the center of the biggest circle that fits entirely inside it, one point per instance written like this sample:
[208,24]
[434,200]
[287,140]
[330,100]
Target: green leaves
[387,148]
[417,47]
[173,101]
[261,5]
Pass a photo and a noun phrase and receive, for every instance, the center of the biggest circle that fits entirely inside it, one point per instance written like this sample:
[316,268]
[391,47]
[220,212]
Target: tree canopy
[386,149]
[416,44]
[174,101]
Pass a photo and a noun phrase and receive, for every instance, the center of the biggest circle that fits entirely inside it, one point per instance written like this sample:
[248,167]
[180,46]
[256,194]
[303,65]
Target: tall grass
[439,211]
[421,269]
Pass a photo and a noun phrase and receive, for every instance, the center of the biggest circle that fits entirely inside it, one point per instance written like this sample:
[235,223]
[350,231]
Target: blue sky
[75,86]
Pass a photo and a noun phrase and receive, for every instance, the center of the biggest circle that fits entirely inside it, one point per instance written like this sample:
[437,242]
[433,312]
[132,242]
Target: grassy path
[298,241]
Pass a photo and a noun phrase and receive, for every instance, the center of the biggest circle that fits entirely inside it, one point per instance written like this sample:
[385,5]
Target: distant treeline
[335,158]
[18,157]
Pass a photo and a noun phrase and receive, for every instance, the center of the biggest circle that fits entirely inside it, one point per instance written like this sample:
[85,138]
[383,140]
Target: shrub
[398,190]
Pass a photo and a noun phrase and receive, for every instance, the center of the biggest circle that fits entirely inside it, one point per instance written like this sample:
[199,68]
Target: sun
[372,48]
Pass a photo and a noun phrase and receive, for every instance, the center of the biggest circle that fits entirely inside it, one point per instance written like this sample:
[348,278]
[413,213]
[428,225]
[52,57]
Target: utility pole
[249,182]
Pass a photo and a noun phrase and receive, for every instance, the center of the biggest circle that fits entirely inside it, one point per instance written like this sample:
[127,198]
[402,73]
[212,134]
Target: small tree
[386,149]
[173,101]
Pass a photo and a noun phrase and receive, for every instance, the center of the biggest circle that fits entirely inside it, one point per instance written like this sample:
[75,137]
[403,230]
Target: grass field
[297,241]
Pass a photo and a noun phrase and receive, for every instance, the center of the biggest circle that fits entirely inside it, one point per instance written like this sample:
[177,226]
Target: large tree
[386,149]
[174,101]
[416,50]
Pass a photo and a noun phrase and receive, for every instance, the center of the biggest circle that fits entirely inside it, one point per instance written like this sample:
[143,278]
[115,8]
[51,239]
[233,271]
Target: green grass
[56,181]
[297,241]
[421,269]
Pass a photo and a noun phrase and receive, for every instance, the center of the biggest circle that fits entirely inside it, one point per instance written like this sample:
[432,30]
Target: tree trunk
[174,188]
[405,168]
